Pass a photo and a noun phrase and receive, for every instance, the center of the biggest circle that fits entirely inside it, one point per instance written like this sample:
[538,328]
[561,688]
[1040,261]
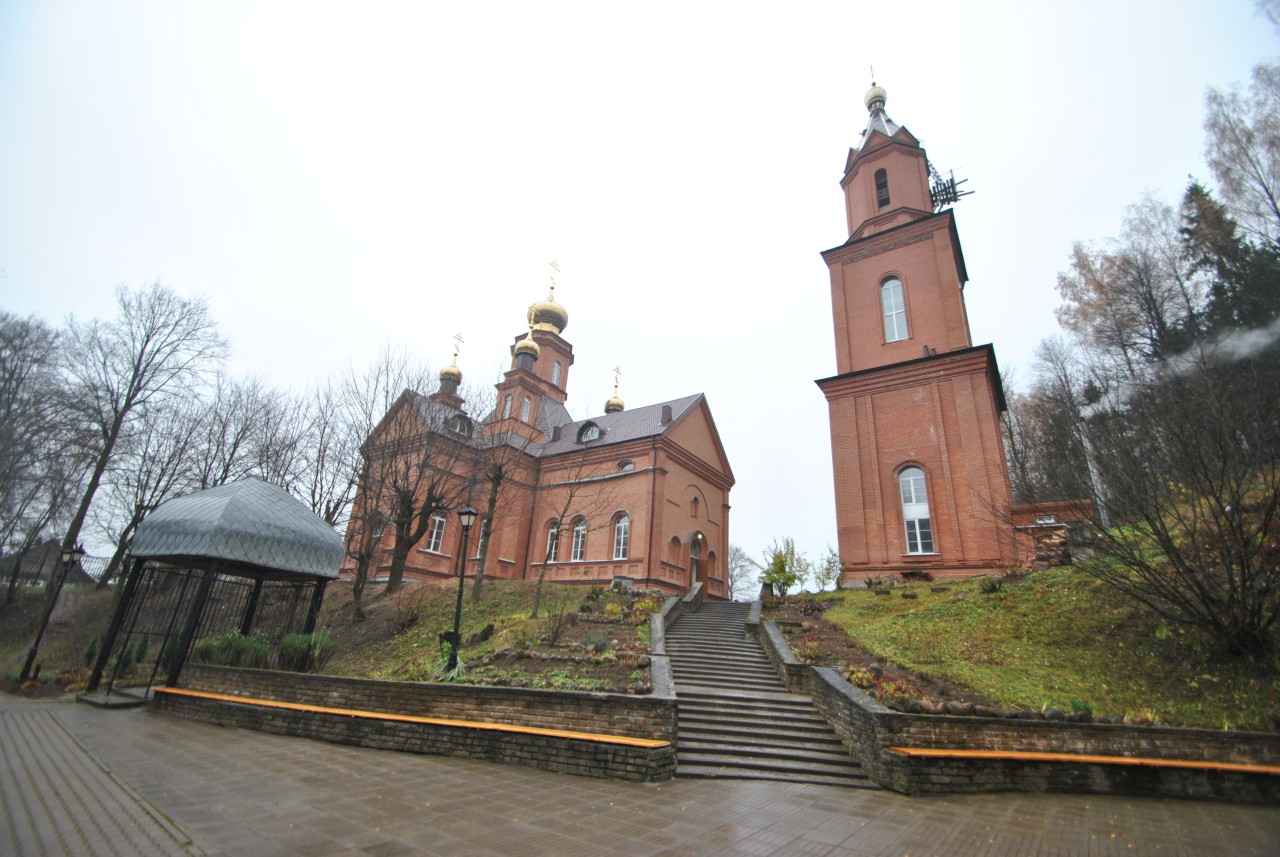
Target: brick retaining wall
[869,729]
[652,716]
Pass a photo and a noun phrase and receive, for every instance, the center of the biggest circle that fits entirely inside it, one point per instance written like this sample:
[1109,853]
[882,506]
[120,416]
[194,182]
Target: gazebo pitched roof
[246,522]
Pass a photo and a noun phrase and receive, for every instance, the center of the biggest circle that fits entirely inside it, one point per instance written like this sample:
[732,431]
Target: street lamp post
[70,557]
[467,516]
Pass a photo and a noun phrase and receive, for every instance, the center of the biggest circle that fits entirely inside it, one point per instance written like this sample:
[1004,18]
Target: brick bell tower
[920,474]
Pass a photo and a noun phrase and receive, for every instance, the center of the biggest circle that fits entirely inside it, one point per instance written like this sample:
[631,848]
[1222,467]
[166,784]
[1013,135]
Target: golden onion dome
[528,346]
[549,315]
[614,404]
[874,94]
[451,373]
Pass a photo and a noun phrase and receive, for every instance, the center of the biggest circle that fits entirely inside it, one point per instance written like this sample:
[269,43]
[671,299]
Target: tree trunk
[486,529]
[13,578]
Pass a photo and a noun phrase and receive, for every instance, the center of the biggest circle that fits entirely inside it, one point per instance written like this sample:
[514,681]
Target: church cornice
[862,247]
[976,360]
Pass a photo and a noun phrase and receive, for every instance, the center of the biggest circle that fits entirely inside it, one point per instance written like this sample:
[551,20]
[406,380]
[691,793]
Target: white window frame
[435,533]
[555,373]
[506,407]
[579,552]
[913,491]
[622,536]
[525,408]
[893,306]
[553,542]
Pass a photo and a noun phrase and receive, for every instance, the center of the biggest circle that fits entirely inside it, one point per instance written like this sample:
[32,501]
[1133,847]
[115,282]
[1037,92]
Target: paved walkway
[81,782]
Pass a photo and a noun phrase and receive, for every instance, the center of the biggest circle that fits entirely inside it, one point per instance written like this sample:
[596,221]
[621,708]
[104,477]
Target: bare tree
[583,493]
[159,346]
[153,464]
[41,451]
[741,573]
[361,402]
[1242,135]
[1189,464]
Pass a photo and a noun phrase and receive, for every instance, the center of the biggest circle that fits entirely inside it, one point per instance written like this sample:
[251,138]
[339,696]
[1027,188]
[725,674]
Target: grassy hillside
[1059,637]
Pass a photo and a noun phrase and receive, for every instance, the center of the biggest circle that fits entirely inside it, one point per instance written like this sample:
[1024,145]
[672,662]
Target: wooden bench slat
[1030,756]
[434,721]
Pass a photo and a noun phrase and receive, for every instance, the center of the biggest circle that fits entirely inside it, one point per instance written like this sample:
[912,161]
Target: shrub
[144,644]
[809,646]
[613,610]
[896,689]
[990,585]
[860,676]
[232,649]
[306,652]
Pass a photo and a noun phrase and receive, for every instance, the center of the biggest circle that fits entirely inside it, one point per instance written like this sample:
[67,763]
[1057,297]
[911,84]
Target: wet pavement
[81,782]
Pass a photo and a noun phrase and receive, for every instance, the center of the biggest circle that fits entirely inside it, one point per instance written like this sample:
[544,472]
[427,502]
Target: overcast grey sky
[333,176]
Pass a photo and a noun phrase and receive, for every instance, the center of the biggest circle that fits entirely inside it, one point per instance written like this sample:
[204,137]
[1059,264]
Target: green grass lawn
[1056,638]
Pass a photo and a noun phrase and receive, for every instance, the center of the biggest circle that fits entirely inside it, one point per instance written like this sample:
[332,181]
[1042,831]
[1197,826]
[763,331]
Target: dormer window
[882,189]
[590,431]
[460,425]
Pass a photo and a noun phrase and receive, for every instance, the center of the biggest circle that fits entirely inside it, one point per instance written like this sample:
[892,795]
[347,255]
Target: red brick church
[920,474]
[639,493]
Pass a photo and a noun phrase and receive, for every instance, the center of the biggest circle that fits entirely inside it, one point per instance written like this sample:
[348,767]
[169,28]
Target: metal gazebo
[244,556]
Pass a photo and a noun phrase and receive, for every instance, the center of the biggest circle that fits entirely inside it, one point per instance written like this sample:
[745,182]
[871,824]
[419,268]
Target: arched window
[506,406]
[525,407]
[460,425]
[435,533]
[915,511]
[626,464]
[882,188]
[555,373]
[579,540]
[695,553]
[590,431]
[621,536]
[895,311]
[693,507]
[553,541]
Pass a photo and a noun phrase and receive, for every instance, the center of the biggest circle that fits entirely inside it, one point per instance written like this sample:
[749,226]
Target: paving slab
[77,781]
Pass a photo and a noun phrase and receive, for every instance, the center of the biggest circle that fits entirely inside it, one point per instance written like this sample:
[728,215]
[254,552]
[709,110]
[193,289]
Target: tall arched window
[915,511]
[525,407]
[882,188]
[506,406]
[895,311]
[553,541]
[621,536]
[695,553]
[693,507]
[555,373]
[579,540]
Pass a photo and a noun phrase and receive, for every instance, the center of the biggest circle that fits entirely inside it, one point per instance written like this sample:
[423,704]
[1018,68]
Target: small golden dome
[874,94]
[451,373]
[528,346]
[614,404]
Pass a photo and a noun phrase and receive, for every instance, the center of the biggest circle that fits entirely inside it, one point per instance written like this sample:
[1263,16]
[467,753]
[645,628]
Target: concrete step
[696,771]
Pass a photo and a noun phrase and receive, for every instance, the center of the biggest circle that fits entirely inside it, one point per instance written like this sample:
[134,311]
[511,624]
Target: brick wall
[551,753]
[869,729]
[652,716]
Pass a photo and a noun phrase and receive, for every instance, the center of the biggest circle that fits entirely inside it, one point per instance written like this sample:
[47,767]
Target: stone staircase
[736,718]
